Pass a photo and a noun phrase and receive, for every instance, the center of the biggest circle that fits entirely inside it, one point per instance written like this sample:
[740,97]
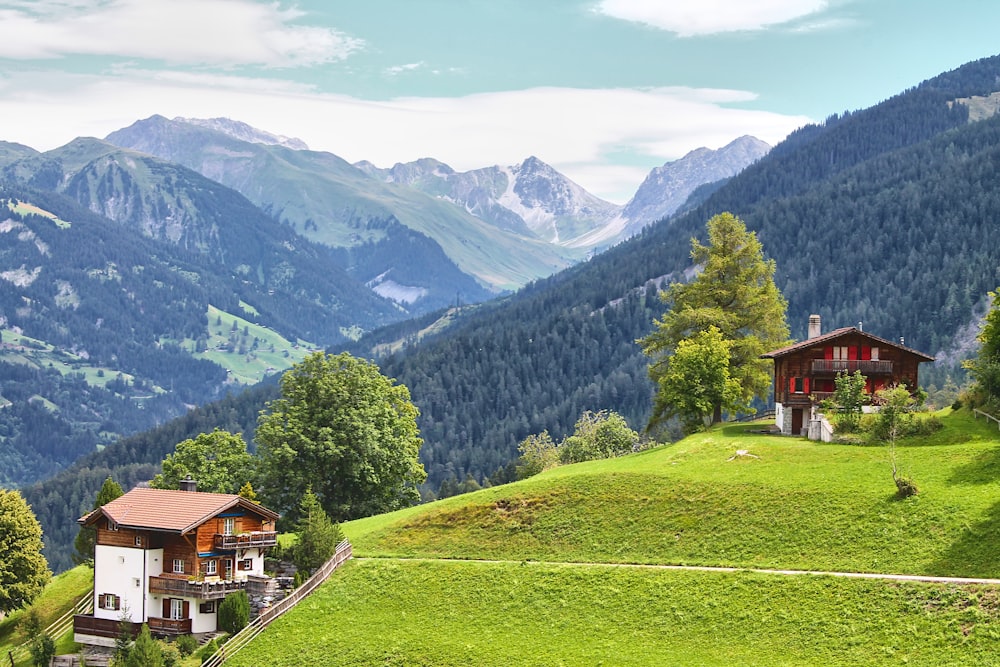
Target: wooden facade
[805,373]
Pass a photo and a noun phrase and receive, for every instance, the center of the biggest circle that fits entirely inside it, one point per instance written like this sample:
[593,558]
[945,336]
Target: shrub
[234,612]
[206,651]
[186,645]
[905,487]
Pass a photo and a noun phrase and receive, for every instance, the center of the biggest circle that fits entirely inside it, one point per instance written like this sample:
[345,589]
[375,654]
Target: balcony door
[228,525]
[176,609]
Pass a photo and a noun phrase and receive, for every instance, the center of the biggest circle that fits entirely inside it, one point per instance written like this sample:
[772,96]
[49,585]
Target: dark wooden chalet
[804,373]
[167,558]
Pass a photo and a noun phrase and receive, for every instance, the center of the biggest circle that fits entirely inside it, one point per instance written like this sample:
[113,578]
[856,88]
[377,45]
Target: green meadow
[562,568]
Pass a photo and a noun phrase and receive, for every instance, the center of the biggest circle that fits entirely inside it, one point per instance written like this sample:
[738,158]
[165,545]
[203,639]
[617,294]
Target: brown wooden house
[804,373]
[167,558]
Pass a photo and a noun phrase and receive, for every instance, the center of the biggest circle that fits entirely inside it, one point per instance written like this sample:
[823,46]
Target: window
[227,567]
[138,540]
[211,566]
[874,354]
[179,566]
[246,564]
[112,525]
[109,601]
[176,609]
[207,607]
[228,525]
[136,582]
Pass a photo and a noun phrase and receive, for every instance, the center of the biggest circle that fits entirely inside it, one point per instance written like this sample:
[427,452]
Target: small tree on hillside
[318,535]
[849,399]
[144,652]
[538,453]
[985,368]
[893,417]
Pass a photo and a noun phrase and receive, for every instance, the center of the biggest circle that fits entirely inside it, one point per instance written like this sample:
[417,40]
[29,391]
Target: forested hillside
[879,216]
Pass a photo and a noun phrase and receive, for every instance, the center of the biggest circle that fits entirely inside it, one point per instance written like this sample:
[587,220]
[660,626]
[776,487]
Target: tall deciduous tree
[735,293]
[697,381]
[83,545]
[347,431]
[218,461]
[23,569]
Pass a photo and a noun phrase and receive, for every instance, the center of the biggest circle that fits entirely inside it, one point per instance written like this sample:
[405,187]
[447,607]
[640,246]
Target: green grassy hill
[565,568]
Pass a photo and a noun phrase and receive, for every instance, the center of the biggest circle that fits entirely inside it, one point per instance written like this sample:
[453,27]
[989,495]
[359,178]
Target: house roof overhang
[839,333]
[171,511]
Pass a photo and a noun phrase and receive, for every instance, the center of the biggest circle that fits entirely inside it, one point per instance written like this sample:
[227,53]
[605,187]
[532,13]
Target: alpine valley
[881,216]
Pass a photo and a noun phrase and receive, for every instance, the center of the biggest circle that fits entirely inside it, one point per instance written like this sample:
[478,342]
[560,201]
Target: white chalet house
[167,558]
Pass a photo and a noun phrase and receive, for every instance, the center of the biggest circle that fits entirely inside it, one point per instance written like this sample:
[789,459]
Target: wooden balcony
[99,627]
[835,366]
[169,626]
[201,590]
[246,540]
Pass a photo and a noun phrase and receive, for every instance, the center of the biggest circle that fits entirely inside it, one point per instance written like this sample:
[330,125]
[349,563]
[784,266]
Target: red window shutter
[828,352]
[186,611]
[791,385]
[866,353]
[166,607]
[852,352]
[805,385]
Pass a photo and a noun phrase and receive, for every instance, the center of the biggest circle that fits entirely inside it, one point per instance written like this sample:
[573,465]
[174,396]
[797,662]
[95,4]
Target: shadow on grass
[983,469]
[976,553]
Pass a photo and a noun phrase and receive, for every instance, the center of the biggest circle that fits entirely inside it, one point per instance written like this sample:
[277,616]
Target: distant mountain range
[160,268]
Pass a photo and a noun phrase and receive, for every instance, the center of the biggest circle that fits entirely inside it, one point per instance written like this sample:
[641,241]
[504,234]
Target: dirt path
[709,568]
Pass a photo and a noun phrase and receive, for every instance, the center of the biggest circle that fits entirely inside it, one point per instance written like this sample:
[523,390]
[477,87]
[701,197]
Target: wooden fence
[976,413]
[239,641]
[56,628]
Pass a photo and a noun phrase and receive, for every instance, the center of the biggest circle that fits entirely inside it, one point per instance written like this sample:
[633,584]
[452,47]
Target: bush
[905,487]
[186,645]
[206,651]
[234,612]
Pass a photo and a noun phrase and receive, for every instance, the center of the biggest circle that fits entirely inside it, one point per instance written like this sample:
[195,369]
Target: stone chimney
[814,326]
[188,484]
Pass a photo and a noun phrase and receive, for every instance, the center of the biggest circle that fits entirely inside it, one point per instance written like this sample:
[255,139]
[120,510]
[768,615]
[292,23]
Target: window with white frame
[178,566]
[110,601]
[211,566]
[228,525]
[176,609]
[138,540]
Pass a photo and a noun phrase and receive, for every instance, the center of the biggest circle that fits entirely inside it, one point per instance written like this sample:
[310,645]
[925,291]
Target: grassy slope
[59,596]
[800,505]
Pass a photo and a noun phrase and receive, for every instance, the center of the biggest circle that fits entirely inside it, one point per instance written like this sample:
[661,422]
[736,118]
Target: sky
[603,90]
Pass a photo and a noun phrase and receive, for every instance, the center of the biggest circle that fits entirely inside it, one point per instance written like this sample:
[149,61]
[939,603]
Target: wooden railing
[867,367]
[242,638]
[246,540]
[169,626]
[58,627]
[976,412]
[204,590]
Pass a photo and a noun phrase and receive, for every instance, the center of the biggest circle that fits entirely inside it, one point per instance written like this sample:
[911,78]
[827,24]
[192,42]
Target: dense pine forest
[877,216]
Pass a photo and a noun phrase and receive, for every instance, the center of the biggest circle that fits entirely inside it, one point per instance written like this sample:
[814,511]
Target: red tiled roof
[170,510]
[837,333]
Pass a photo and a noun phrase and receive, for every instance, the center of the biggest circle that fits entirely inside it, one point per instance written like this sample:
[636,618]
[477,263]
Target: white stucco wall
[125,572]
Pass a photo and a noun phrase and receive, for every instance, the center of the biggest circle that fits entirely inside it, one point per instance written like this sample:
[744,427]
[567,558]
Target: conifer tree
[733,292]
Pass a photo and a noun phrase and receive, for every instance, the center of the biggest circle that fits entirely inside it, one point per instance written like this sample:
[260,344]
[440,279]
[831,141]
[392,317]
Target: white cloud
[581,132]
[200,32]
[706,17]
[408,67]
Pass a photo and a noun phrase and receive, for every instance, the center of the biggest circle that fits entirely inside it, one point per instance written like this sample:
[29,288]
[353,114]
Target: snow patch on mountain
[240,130]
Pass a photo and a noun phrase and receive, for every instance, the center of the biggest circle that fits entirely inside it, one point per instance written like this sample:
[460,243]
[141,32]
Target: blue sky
[604,90]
